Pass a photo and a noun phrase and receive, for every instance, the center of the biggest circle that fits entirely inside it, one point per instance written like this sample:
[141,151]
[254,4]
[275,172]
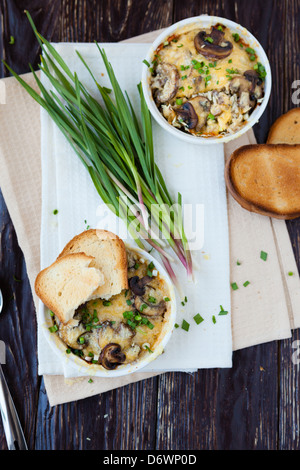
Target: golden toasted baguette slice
[265,178]
[109,254]
[286,129]
[67,283]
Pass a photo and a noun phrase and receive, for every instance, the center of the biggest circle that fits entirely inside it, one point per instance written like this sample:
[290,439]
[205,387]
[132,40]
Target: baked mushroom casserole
[126,327]
[206,82]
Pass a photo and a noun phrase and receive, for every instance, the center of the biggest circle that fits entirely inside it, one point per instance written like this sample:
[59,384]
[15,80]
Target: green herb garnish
[246,283]
[53,328]
[263,255]
[222,311]
[198,319]
[234,286]
[260,69]
[185,325]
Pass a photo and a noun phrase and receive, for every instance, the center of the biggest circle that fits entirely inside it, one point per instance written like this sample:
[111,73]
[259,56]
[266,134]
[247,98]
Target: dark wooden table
[254,405]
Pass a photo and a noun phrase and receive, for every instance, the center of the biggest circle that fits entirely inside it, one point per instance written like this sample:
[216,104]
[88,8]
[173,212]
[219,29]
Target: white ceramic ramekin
[206,22]
[81,368]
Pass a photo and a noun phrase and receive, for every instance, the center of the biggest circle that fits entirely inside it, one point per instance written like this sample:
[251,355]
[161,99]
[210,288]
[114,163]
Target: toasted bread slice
[109,253]
[265,178]
[286,129]
[67,283]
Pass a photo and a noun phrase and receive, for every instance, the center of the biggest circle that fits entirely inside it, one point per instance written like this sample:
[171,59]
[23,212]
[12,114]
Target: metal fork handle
[11,424]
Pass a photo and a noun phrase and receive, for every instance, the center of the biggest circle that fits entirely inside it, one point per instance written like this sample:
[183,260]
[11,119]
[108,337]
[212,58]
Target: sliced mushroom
[166,82]
[256,89]
[147,299]
[201,106]
[148,308]
[248,87]
[187,115]
[194,112]
[212,45]
[111,356]
[137,285]
[89,340]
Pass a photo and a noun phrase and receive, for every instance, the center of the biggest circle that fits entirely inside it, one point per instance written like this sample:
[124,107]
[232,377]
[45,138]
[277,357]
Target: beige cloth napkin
[266,310]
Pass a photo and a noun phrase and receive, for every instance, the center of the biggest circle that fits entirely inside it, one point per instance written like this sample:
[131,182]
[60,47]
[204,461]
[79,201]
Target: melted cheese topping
[183,55]
[199,75]
[100,322]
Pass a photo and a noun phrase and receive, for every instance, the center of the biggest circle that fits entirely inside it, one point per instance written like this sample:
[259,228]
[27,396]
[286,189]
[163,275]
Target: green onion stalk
[116,149]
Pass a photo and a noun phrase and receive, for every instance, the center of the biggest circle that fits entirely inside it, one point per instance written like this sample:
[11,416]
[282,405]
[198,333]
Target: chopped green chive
[128,302]
[106,303]
[230,61]
[236,37]
[181,45]
[90,381]
[68,351]
[211,116]
[263,255]
[146,63]
[53,328]
[198,319]
[238,263]
[166,299]
[55,211]
[176,325]
[222,311]
[11,40]
[290,273]
[209,39]
[148,349]
[183,77]
[214,319]
[136,266]
[128,314]
[234,286]
[246,283]
[179,101]
[250,50]
[185,325]
[152,300]
[260,70]
[81,340]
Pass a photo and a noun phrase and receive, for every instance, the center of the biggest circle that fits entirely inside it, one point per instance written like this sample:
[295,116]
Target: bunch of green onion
[116,150]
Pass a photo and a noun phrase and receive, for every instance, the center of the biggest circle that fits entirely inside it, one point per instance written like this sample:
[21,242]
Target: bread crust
[45,294]
[286,179]
[286,129]
[102,235]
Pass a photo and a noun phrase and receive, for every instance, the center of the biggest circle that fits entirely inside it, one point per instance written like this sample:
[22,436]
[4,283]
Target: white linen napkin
[196,171]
